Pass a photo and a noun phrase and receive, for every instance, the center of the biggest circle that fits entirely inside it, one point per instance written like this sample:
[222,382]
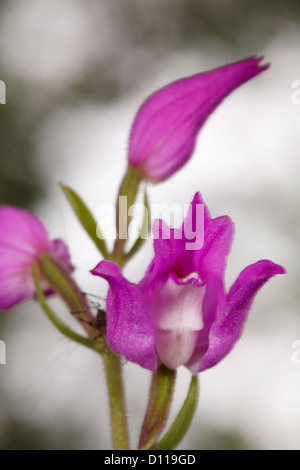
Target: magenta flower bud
[23,240]
[180,314]
[164,132]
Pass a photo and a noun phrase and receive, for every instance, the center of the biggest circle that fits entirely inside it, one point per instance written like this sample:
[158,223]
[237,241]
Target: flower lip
[175,347]
[175,308]
[174,305]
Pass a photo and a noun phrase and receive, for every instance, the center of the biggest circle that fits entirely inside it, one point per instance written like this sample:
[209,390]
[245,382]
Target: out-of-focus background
[76,72]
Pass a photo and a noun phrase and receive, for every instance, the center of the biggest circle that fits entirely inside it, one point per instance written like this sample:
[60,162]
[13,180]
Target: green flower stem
[128,188]
[96,346]
[160,399]
[69,291]
[183,420]
[117,405]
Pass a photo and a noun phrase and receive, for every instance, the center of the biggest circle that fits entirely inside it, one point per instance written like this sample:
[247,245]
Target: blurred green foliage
[21,435]
[143,26]
[19,184]
[212,438]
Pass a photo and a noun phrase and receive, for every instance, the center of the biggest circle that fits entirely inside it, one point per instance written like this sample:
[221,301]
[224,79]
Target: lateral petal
[228,325]
[130,331]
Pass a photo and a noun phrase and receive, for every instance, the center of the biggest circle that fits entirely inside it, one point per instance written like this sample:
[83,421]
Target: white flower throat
[176,312]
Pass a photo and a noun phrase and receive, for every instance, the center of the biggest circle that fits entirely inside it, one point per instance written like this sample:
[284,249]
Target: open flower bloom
[164,132]
[23,239]
[180,314]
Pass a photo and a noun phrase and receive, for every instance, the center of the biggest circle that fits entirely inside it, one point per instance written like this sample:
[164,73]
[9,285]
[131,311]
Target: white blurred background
[75,74]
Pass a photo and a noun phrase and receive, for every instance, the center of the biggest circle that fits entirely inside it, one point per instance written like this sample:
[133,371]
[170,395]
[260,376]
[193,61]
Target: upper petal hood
[202,244]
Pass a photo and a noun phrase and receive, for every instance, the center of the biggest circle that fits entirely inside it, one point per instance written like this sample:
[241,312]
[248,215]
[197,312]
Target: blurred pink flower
[179,314]
[164,132]
[23,239]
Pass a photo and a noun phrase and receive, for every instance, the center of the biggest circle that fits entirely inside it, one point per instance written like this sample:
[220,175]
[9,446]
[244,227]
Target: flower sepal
[183,420]
[160,400]
[159,404]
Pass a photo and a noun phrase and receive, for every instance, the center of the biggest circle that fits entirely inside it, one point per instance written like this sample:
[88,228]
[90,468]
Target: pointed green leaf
[86,219]
[183,420]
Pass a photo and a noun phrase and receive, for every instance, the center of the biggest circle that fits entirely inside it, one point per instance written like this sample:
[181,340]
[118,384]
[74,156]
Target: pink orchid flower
[180,314]
[23,239]
[164,132]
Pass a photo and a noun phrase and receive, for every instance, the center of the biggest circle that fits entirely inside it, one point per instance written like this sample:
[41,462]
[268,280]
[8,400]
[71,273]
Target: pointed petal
[228,326]
[164,132]
[167,250]
[61,251]
[212,243]
[194,225]
[202,245]
[218,241]
[129,328]
[170,244]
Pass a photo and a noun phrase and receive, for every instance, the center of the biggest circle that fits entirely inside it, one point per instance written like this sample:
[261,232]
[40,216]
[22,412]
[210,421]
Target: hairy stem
[117,405]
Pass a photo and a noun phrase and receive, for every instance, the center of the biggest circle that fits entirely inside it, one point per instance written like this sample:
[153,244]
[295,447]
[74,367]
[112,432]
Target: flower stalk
[115,388]
[126,197]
